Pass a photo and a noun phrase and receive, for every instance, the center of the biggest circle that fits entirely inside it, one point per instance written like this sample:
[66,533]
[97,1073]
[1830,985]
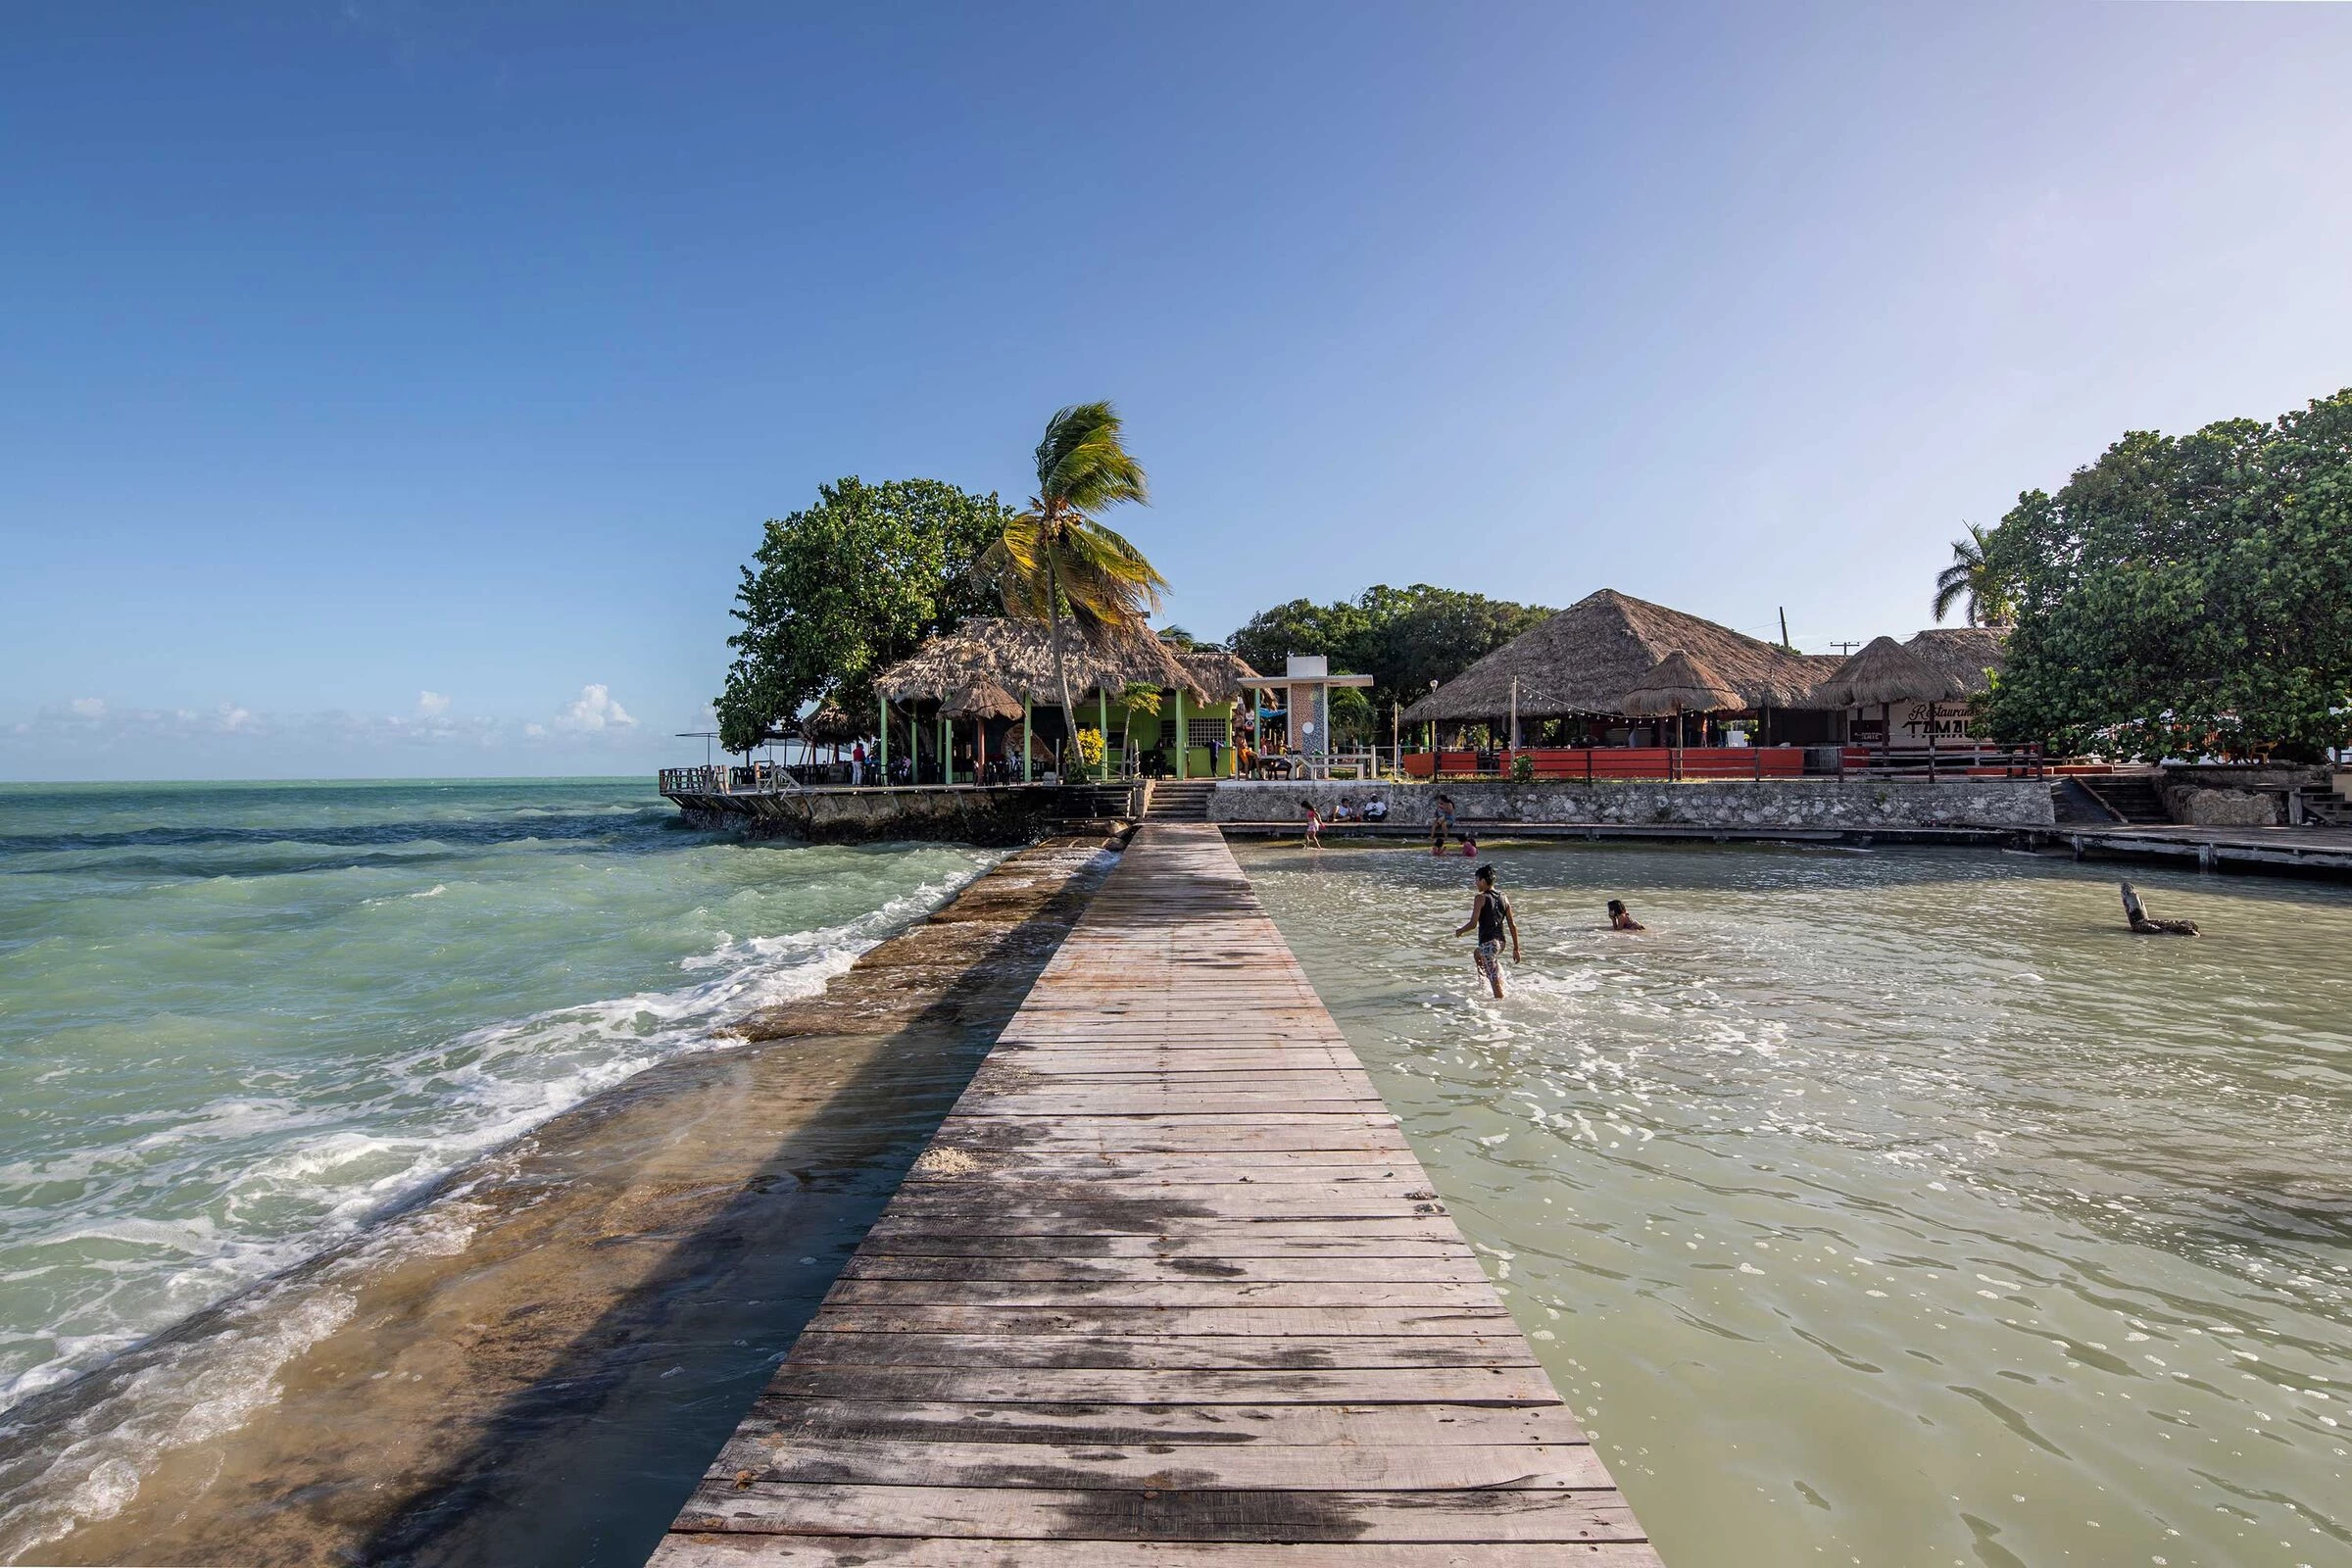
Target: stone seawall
[1833,805]
[992,815]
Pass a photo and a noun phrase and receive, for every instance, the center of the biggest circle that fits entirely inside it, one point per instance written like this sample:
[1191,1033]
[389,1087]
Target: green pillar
[947,752]
[1025,741]
[1183,747]
[884,704]
[1102,718]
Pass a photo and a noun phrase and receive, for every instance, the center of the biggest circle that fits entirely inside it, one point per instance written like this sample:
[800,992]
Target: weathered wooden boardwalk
[1167,1288]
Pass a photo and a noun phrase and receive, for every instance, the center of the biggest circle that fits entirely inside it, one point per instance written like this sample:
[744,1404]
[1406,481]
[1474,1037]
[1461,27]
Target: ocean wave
[330,1170]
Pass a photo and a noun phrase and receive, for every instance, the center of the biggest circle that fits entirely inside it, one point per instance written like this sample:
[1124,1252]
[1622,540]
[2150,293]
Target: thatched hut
[1883,674]
[1019,658]
[1971,655]
[831,726]
[1582,662]
[1885,671]
[1221,672]
[1679,684]
[980,698]
[1151,703]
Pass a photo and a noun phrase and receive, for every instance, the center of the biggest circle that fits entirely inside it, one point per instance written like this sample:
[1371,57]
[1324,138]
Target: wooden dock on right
[1167,1288]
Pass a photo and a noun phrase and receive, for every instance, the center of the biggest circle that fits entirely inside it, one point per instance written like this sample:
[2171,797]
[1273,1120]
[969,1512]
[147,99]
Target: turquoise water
[1897,1207]
[238,1021]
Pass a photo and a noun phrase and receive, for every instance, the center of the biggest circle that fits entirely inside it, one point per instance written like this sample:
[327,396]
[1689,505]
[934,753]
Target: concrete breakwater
[997,814]
[1735,804]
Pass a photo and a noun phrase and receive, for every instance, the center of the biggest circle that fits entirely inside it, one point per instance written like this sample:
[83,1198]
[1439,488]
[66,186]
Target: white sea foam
[445,1103]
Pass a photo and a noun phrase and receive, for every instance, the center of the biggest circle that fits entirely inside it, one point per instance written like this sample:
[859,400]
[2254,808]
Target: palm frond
[1083,464]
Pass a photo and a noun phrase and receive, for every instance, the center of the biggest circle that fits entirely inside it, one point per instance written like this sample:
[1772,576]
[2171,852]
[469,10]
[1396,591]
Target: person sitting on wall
[1376,810]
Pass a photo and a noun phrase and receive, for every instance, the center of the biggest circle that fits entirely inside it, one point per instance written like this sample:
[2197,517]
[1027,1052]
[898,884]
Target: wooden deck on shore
[1167,1288]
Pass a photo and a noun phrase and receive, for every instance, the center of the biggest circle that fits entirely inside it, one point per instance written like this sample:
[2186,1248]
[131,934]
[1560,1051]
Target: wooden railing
[1594,763]
[722,778]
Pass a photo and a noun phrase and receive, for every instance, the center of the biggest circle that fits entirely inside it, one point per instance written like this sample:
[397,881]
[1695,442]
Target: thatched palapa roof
[1587,656]
[830,726]
[980,698]
[1679,684]
[1218,671]
[1018,657]
[1971,655]
[1885,671]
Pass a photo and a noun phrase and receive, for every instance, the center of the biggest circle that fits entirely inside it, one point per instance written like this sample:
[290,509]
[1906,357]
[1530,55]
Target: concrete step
[2131,796]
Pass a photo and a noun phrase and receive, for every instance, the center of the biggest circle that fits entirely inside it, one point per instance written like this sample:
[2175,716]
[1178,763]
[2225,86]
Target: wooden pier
[1167,1288]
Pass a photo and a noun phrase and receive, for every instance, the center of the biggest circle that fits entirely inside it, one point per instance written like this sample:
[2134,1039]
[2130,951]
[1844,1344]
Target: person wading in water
[1491,913]
[1441,823]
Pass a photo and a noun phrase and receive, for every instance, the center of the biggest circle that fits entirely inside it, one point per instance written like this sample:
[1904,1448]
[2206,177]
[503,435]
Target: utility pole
[1784,642]
[1845,647]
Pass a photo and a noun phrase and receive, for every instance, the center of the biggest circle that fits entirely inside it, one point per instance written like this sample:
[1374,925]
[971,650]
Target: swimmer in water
[1622,918]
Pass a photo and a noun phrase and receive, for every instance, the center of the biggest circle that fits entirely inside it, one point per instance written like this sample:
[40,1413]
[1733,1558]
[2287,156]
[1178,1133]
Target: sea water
[1893,1208]
[239,1023]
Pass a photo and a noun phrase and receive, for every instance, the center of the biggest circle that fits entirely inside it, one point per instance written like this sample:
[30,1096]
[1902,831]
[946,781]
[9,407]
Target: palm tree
[1972,577]
[1055,563]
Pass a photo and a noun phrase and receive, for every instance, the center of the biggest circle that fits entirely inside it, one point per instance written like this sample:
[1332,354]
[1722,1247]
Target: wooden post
[1027,743]
[1180,738]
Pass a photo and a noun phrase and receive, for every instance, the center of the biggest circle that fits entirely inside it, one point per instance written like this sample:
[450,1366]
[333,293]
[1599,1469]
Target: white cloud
[594,709]
[94,737]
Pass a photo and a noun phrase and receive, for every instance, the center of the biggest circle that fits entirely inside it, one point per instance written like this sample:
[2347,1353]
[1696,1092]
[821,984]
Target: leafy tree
[845,589]
[1055,563]
[2187,596]
[1403,638]
[1990,600]
[1352,712]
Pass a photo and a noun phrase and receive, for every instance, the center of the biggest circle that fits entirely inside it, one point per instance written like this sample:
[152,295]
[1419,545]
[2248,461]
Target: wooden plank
[830,1418]
[1515,1385]
[1164,1294]
[1207,1352]
[1299,1323]
[1169,1287]
[1315,1268]
[1264,1239]
[683,1549]
[1241,1467]
[1171,1513]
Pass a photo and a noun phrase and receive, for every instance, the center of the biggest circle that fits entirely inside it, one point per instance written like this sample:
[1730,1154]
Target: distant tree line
[2180,597]
[1403,638]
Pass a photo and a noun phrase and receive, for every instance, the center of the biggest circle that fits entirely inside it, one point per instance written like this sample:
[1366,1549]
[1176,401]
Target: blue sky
[395,388]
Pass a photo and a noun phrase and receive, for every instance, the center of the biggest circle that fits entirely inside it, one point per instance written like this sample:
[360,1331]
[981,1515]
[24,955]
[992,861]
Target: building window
[1210,731]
